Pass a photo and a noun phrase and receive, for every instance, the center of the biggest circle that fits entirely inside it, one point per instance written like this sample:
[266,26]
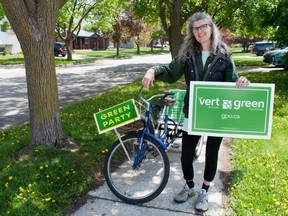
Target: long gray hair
[191,45]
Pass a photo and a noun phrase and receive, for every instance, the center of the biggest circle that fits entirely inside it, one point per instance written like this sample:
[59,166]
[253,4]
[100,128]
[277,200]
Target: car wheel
[63,55]
[260,53]
[56,54]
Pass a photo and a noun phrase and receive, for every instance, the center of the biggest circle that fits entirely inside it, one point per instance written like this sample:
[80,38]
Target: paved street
[74,83]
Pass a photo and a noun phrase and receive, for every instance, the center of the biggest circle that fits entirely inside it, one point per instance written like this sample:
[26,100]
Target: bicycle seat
[169,101]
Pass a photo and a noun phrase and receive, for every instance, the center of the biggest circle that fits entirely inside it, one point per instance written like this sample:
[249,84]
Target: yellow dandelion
[53,201]
[29,185]
[47,176]
[21,189]
[10,178]
[48,199]
[6,184]
[67,173]
[46,165]
[41,167]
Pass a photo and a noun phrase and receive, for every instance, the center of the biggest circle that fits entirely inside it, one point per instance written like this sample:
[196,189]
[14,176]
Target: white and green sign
[116,116]
[221,109]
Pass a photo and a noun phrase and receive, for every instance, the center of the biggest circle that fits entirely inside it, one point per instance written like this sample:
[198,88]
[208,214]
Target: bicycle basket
[133,126]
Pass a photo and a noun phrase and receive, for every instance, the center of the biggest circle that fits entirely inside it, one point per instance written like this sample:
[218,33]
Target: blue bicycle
[137,167]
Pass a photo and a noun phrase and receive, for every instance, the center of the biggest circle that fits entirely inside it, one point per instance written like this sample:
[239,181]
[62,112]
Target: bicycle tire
[141,184]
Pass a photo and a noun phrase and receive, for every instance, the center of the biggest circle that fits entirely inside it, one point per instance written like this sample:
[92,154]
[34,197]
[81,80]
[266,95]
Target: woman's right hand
[148,79]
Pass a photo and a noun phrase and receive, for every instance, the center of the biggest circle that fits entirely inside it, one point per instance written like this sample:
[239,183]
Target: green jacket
[218,68]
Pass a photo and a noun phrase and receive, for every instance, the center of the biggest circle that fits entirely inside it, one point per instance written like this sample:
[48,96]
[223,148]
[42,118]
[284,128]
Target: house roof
[83,33]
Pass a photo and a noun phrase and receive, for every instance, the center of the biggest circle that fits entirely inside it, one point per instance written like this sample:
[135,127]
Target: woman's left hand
[242,82]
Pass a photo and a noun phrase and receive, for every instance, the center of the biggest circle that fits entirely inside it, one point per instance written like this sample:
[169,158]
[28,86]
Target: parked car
[259,48]
[159,45]
[269,56]
[280,58]
[60,49]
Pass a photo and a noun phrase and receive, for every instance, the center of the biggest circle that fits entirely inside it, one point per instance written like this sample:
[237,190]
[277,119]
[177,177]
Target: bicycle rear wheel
[140,184]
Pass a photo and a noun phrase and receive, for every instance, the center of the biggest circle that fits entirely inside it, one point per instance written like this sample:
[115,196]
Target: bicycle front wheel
[140,184]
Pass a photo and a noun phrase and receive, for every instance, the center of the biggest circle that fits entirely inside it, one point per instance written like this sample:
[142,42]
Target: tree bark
[175,28]
[33,21]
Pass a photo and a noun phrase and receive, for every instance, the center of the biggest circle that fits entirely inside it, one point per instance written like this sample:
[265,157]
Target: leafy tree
[126,28]
[173,15]
[70,20]
[33,22]
[277,17]
[248,20]
[242,17]
[2,13]
[134,28]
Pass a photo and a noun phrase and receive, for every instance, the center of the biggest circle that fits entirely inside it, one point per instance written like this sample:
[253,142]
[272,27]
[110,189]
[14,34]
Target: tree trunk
[34,24]
[176,37]
[174,29]
[117,47]
[69,47]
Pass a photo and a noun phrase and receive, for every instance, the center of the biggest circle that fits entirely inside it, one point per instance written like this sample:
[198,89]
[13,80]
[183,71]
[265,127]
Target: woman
[203,57]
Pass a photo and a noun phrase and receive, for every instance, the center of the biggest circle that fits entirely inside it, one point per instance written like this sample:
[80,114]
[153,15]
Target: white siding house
[8,40]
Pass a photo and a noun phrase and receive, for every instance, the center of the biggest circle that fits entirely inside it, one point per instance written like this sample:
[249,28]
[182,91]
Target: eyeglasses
[202,27]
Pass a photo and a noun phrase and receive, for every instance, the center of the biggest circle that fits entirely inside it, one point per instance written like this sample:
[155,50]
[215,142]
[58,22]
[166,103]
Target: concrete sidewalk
[103,202]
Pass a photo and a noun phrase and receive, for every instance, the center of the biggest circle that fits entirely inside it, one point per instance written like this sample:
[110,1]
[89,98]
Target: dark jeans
[189,143]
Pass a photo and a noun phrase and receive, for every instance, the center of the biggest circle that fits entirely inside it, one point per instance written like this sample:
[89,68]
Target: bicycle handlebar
[147,101]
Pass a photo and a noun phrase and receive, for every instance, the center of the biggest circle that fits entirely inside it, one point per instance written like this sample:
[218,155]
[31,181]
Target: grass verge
[49,180]
[259,179]
[93,56]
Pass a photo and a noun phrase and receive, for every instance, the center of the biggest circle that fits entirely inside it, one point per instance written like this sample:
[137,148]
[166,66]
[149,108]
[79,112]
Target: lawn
[49,181]
[93,56]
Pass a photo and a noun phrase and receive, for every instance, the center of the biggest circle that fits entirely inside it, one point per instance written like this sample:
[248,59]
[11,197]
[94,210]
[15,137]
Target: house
[90,40]
[8,39]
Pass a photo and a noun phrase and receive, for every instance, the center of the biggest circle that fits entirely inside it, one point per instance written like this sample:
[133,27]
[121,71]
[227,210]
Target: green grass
[259,180]
[49,180]
[94,56]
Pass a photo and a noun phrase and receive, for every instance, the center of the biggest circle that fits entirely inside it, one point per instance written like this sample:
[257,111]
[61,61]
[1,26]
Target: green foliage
[105,15]
[277,16]
[5,52]
[2,13]
[5,26]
